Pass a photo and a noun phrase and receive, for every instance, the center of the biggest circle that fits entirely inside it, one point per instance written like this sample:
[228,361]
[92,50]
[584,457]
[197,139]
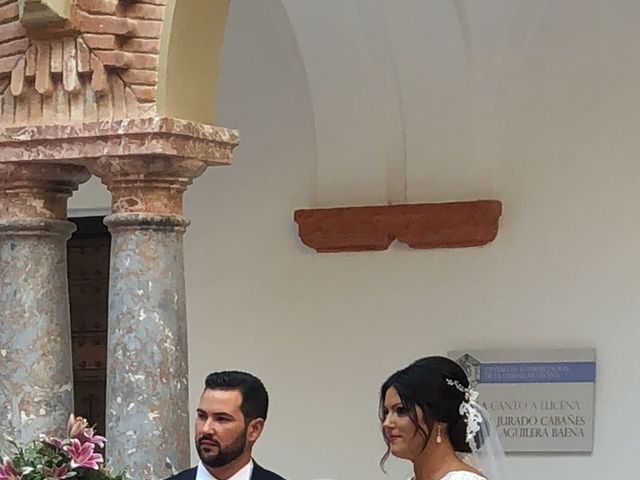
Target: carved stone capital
[33,190]
[147,184]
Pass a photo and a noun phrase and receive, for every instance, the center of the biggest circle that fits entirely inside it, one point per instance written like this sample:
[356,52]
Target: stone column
[147,367]
[36,386]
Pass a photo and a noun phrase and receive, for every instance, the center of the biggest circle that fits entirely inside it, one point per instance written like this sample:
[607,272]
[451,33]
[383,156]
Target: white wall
[533,103]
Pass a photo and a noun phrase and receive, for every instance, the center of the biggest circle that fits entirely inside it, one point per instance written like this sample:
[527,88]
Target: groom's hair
[255,400]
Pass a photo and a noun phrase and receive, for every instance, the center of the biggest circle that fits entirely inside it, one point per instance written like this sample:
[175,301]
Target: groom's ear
[254,429]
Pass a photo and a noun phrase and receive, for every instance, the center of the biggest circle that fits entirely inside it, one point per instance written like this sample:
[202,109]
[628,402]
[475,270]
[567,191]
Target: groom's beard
[222,455]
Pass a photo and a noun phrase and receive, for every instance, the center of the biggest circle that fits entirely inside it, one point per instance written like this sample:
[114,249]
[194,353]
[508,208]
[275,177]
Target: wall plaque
[540,400]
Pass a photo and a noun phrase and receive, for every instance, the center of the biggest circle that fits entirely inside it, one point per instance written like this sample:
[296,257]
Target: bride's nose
[388,422]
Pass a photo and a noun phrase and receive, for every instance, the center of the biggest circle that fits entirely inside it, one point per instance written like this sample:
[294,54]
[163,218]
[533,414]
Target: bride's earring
[438,436]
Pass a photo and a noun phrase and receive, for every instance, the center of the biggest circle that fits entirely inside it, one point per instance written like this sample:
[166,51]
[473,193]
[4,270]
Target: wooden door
[88,274]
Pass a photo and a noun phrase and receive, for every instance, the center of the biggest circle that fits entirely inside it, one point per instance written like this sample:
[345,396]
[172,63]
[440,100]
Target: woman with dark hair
[429,416]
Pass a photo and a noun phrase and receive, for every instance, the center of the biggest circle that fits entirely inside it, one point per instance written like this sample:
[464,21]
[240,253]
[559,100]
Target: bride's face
[405,439]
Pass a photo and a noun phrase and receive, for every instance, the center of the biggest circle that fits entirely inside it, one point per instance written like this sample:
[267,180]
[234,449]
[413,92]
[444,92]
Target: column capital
[38,191]
[147,184]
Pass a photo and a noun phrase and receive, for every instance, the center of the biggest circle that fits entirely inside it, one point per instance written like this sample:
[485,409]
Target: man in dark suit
[230,419]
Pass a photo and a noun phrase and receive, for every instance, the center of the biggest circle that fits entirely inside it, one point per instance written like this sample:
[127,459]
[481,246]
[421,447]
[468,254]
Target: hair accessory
[469,411]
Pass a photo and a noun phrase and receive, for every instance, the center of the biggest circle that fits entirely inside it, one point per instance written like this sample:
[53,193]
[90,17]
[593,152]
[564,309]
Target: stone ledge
[79,143]
[427,225]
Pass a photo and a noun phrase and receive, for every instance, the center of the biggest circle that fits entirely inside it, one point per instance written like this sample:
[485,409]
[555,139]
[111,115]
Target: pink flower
[79,428]
[82,455]
[8,471]
[89,436]
[54,442]
[76,426]
[61,473]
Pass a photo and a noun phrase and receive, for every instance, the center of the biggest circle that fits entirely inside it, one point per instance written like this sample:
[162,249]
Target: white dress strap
[463,475]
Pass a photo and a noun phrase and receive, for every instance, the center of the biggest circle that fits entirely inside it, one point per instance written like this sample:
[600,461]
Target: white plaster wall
[534,103]
[90,199]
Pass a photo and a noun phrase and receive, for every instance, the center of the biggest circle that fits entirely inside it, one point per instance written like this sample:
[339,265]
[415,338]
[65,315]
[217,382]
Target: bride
[429,416]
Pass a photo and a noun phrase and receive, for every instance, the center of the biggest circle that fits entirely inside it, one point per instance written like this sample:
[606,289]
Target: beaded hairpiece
[469,411]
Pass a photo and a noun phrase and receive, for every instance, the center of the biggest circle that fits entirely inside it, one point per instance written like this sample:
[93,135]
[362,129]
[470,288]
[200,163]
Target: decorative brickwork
[98,65]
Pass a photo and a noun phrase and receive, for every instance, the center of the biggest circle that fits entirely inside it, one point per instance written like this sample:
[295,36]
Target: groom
[230,419]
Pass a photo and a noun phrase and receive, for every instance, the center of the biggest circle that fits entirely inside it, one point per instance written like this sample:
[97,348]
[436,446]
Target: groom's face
[221,430]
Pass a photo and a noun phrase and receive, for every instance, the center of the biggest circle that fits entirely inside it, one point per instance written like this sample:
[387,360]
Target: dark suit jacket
[259,473]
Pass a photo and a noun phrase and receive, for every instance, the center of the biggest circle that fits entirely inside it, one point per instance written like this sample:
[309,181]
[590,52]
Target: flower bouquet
[52,458]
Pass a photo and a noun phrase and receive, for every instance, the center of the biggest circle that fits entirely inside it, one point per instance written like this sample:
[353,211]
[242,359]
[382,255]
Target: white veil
[489,458]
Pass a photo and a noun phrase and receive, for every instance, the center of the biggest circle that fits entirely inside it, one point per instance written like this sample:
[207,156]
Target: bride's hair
[423,385]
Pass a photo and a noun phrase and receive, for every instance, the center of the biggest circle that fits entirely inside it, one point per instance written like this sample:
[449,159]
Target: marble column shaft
[147,367]
[36,391]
